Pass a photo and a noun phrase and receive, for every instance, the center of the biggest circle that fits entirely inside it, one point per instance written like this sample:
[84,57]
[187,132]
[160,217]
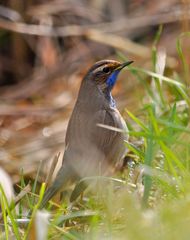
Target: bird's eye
[106,69]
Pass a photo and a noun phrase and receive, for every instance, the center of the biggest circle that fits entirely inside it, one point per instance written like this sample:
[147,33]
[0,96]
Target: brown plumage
[90,149]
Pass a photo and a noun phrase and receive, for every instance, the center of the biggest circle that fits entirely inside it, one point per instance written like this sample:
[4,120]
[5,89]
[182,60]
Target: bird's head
[104,73]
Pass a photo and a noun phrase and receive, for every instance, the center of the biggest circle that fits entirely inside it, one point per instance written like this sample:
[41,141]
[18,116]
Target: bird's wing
[105,137]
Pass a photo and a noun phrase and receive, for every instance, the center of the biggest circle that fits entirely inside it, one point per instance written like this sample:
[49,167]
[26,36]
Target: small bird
[91,149]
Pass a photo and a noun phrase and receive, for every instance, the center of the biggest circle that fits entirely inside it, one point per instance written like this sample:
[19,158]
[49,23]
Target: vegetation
[150,199]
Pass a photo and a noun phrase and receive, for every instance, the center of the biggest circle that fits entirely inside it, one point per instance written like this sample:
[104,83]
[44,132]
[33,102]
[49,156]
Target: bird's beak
[124,65]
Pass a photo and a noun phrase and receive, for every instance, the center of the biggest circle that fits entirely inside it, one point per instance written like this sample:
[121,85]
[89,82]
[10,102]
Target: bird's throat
[112,79]
[109,98]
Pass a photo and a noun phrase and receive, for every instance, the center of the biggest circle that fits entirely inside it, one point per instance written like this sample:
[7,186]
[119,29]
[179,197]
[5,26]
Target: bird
[90,148]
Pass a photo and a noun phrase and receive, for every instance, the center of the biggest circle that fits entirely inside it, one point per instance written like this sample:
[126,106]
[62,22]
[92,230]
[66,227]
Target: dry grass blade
[23,192]
[52,168]
[109,127]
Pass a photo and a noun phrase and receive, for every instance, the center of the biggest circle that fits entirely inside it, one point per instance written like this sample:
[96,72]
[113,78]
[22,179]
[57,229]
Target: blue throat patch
[110,83]
[112,79]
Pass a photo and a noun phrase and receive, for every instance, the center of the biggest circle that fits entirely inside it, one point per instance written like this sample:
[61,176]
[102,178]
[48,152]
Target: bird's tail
[62,178]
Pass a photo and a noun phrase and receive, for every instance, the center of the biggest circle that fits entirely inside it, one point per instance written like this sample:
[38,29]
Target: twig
[77,30]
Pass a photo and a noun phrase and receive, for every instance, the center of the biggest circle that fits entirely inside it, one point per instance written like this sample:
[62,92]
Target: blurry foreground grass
[150,199]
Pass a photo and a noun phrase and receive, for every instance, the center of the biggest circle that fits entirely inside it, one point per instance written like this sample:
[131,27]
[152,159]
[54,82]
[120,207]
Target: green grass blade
[9,212]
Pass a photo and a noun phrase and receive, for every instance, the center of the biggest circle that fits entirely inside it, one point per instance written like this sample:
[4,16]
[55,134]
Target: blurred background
[46,47]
